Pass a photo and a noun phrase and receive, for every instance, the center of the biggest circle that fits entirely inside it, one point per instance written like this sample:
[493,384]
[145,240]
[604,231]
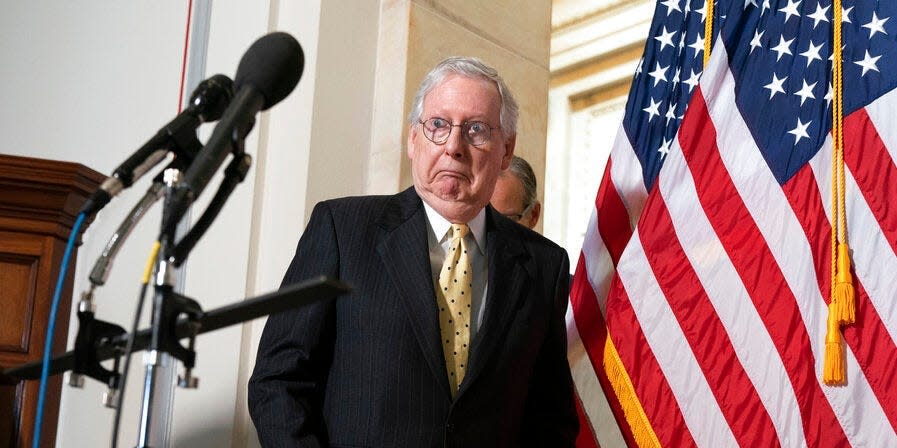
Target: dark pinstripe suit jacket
[367,370]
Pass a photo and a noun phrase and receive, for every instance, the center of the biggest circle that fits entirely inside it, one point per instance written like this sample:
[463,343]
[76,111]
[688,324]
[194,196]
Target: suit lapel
[507,277]
[405,254]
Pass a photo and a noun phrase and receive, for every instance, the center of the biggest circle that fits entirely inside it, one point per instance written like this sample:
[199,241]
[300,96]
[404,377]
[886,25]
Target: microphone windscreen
[212,97]
[273,65]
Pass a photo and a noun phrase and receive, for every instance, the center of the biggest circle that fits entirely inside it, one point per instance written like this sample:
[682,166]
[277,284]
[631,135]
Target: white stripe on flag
[599,266]
[700,410]
[721,282]
[625,172]
[787,241]
[881,112]
[594,402]
[874,261]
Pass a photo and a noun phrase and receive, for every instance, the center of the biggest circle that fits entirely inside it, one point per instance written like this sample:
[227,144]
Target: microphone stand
[174,316]
[92,331]
[164,344]
[168,306]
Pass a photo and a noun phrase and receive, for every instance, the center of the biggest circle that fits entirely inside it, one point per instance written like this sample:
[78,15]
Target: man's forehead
[455,78]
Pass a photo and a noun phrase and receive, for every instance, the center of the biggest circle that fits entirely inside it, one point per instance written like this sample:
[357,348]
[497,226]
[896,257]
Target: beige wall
[511,35]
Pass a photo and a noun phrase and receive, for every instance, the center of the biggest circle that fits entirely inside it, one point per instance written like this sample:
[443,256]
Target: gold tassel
[641,428]
[844,293]
[833,370]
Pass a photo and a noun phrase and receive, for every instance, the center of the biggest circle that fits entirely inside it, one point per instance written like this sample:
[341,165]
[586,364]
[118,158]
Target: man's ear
[510,143]
[534,215]
[409,148]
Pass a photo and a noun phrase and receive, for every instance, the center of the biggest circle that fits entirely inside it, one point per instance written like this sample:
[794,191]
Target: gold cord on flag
[842,307]
[642,431]
[708,32]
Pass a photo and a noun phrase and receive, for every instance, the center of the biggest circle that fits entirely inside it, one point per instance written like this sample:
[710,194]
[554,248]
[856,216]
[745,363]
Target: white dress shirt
[438,240]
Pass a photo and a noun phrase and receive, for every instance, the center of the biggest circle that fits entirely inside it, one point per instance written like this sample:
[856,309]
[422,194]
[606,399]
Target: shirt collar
[441,226]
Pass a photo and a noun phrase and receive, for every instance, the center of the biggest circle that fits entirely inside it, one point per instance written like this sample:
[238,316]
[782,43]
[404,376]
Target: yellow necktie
[453,299]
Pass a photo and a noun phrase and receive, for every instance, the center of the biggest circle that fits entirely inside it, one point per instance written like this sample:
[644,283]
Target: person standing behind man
[453,334]
[515,194]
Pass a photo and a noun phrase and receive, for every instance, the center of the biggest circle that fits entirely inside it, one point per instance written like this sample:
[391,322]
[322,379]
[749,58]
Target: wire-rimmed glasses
[438,130]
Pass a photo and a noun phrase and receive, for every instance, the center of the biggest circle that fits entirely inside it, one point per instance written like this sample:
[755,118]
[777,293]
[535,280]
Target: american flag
[699,305]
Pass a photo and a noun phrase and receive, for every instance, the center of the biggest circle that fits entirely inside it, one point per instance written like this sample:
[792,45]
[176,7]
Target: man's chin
[450,192]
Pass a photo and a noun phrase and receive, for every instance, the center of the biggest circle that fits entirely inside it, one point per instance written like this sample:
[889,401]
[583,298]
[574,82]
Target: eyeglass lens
[438,131]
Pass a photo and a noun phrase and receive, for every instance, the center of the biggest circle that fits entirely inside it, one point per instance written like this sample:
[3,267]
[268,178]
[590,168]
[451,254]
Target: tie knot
[460,230]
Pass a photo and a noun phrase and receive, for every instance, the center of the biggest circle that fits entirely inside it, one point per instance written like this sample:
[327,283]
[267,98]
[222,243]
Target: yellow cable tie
[150,262]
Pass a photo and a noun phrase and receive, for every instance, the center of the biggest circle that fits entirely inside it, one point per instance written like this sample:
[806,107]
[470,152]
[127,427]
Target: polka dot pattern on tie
[453,299]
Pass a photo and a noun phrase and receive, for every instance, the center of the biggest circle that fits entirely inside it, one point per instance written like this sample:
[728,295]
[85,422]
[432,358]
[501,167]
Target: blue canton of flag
[783,70]
[664,81]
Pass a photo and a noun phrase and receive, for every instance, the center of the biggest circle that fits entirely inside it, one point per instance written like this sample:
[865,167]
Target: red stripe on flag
[874,171]
[738,399]
[871,344]
[650,384]
[613,218]
[869,339]
[758,270]
[593,334]
[806,202]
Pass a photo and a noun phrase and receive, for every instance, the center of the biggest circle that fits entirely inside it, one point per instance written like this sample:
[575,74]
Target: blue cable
[51,324]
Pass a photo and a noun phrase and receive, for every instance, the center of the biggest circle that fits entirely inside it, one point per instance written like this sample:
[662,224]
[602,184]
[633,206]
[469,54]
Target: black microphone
[267,73]
[207,103]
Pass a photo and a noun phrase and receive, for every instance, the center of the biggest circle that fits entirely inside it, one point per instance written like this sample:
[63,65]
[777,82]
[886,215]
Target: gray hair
[521,169]
[472,68]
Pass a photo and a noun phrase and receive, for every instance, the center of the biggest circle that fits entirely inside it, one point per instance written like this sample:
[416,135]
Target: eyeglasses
[519,216]
[438,130]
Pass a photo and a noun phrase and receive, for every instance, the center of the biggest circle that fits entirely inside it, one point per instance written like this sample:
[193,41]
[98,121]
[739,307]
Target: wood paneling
[18,274]
[39,201]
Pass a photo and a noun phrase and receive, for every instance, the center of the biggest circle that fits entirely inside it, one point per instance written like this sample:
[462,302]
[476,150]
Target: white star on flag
[692,80]
[806,92]
[875,25]
[703,11]
[812,53]
[653,110]
[791,9]
[665,38]
[868,63]
[775,86]
[659,74]
[755,42]
[671,113]
[672,5]
[698,44]
[783,47]
[800,131]
[845,14]
[665,147]
[819,15]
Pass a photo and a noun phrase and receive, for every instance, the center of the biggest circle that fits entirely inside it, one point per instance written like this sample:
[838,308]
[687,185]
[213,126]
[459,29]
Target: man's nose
[454,146]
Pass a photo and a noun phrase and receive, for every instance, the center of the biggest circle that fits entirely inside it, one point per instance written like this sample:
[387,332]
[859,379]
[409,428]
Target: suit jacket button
[449,427]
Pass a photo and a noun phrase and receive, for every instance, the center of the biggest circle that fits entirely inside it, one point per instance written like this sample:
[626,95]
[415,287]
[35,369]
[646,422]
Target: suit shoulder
[356,206]
[532,240]
[535,239]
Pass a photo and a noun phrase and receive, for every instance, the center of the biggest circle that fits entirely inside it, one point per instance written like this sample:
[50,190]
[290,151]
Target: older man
[515,194]
[453,334]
